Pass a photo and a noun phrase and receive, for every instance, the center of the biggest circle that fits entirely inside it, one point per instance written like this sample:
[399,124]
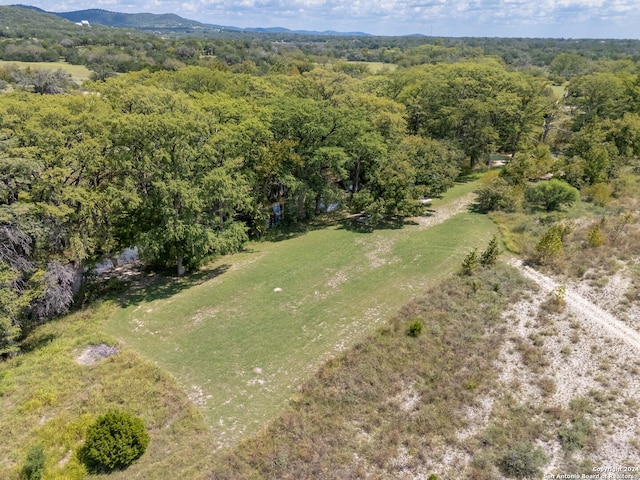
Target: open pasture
[377,67]
[240,348]
[79,73]
[373,67]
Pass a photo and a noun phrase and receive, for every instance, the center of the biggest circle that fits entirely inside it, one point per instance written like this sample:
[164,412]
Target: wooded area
[185,157]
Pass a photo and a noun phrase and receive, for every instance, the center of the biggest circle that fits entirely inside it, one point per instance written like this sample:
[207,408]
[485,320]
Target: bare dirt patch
[380,253]
[586,309]
[202,315]
[197,396]
[407,400]
[580,352]
[95,354]
[442,214]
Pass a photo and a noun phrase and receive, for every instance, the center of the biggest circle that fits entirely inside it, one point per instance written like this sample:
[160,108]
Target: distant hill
[305,32]
[130,20]
[29,7]
[26,21]
[169,22]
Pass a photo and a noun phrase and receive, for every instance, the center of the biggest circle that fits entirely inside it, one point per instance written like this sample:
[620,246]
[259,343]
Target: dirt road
[586,310]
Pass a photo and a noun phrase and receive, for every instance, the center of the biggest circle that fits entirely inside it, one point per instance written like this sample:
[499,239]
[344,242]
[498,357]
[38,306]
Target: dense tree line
[590,140]
[186,157]
[188,164]
[35,36]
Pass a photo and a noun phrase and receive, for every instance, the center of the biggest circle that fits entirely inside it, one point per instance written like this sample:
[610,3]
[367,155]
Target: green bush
[490,255]
[114,441]
[595,236]
[497,195]
[551,195]
[471,262]
[34,465]
[522,460]
[415,328]
[598,194]
[550,248]
[574,436]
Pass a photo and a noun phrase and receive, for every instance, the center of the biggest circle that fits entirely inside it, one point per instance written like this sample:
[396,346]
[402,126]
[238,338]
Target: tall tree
[188,194]
[597,97]
[479,105]
[63,141]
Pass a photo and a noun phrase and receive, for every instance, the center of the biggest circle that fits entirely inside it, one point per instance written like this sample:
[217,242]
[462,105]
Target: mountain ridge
[171,21]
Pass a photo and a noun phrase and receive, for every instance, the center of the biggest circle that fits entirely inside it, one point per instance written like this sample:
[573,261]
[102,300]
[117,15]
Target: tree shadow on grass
[469,177]
[293,229]
[36,342]
[362,224]
[153,286]
[476,207]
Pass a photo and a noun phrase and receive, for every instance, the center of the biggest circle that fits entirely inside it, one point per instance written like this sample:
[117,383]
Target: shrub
[598,194]
[550,246]
[415,328]
[574,435]
[528,165]
[559,294]
[523,460]
[595,236]
[114,441]
[471,262]
[497,195]
[490,255]
[34,465]
[625,184]
[551,195]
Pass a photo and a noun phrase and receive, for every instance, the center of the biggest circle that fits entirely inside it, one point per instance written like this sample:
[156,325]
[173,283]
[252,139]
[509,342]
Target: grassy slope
[241,349]
[399,407]
[393,405]
[46,397]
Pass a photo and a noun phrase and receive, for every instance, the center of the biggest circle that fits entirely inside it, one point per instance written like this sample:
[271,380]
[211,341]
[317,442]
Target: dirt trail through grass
[583,307]
[447,211]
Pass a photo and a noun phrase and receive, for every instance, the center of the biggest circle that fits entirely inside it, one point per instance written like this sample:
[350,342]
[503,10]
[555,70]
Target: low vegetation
[337,310]
[49,400]
[337,283]
[394,402]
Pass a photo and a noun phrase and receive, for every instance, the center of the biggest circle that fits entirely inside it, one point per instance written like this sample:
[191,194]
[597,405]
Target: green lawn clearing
[221,339]
[79,73]
[376,67]
[240,348]
[559,90]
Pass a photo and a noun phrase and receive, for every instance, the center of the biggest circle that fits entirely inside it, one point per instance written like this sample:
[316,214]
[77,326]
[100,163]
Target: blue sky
[501,18]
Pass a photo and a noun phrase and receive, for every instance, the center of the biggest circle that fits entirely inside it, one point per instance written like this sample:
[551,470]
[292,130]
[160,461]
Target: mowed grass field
[240,349]
[376,67]
[79,73]
[222,337]
[559,90]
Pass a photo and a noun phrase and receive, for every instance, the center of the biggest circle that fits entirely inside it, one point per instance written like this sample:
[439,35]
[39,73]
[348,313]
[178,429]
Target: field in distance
[79,73]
